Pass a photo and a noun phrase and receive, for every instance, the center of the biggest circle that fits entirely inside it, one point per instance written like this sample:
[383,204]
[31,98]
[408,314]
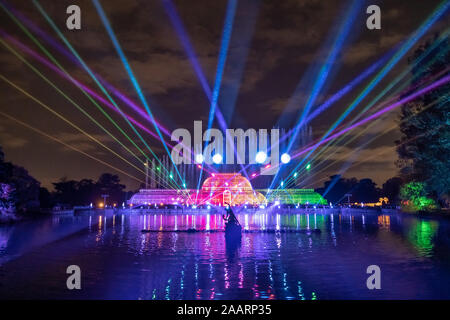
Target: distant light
[282,183]
[209,207]
[158,168]
[308,166]
[253,175]
[261,157]
[268,166]
[184,185]
[277,202]
[199,166]
[171,176]
[217,158]
[194,206]
[295,175]
[261,207]
[285,158]
[213,174]
[199,158]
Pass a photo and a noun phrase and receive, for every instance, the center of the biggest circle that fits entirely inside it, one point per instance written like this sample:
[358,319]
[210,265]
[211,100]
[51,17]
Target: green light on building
[293,196]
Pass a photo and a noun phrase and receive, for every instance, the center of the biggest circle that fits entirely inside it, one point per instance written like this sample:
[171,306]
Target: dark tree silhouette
[86,191]
[336,188]
[26,189]
[391,189]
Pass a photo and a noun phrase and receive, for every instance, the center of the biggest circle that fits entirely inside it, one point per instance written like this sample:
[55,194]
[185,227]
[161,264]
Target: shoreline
[43,213]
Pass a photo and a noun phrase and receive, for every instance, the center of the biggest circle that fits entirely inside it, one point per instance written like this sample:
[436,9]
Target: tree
[45,198]
[24,189]
[334,190]
[110,184]
[366,191]
[66,192]
[414,196]
[424,147]
[391,189]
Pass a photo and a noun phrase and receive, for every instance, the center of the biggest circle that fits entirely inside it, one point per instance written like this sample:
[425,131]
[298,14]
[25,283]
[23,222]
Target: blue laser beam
[132,77]
[226,36]
[438,12]
[323,73]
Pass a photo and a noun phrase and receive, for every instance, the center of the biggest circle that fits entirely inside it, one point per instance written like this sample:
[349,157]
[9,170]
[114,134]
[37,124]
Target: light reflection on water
[118,261]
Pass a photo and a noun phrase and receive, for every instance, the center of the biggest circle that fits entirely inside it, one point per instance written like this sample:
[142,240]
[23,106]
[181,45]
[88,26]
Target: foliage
[425,143]
[414,196]
[24,188]
[7,203]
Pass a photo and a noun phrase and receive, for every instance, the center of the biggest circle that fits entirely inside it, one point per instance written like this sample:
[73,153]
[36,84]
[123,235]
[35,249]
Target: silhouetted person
[230,218]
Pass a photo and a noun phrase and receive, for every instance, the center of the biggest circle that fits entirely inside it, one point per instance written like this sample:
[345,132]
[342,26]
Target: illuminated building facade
[232,188]
[222,188]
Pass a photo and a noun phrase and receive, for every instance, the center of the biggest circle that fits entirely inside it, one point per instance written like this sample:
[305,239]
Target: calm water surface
[119,262]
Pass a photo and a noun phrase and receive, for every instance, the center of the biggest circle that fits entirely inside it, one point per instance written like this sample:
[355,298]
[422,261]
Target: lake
[118,261]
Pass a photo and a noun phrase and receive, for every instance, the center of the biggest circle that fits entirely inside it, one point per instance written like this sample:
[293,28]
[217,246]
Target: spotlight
[285,158]
[308,166]
[199,158]
[261,157]
[217,158]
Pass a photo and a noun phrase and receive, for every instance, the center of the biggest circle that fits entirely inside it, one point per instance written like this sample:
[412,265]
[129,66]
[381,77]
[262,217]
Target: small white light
[261,157]
[285,158]
[199,158]
[217,158]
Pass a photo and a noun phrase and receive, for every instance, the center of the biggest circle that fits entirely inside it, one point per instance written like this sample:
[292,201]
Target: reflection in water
[421,234]
[277,258]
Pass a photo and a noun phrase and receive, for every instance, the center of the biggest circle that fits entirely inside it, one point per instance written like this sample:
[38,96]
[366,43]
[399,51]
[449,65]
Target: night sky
[275,46]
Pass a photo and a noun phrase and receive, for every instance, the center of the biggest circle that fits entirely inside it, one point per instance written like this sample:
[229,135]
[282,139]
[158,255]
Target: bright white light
[194,206]
[261,157]
[285,158]
[199,158]
[217,158]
